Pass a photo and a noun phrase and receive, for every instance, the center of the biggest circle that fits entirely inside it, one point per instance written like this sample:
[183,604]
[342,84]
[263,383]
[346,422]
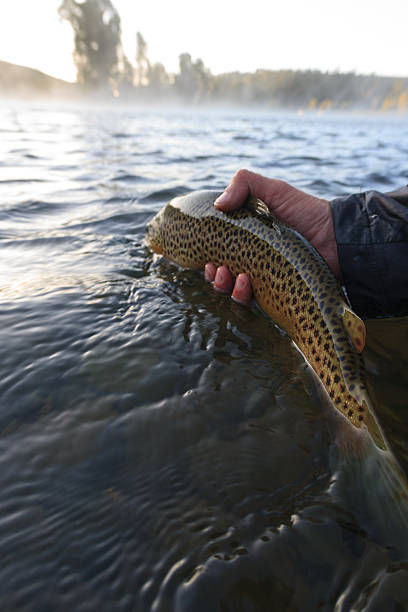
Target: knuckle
[242,174]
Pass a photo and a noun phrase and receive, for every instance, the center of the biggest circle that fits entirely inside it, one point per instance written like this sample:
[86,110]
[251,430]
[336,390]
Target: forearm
[372,240]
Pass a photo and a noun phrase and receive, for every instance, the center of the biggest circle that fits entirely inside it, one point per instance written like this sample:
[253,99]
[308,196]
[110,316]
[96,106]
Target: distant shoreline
[264,89]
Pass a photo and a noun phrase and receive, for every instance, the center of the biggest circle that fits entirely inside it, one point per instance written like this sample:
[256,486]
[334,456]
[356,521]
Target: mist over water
[161,447]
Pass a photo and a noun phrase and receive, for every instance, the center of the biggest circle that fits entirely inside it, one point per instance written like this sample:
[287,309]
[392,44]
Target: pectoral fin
[355,329]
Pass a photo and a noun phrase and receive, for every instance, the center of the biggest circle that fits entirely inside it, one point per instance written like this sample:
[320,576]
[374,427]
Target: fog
[104,72]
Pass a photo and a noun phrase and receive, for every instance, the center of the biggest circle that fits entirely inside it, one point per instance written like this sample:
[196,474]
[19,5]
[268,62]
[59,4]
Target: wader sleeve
[372,240]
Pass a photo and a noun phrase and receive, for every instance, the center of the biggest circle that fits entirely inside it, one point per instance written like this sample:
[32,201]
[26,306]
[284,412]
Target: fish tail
[374,487]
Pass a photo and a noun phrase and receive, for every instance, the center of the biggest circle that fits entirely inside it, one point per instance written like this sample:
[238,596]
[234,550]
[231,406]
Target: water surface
[161,447]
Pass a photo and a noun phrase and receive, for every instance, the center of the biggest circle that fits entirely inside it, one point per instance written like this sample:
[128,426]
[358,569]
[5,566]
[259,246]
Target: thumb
[245,183]
[236,193]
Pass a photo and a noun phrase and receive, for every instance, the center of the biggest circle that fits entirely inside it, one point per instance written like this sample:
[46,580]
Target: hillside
[19,81]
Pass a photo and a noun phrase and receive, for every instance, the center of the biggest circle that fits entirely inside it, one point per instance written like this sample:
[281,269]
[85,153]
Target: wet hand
[309,215]
[223,281]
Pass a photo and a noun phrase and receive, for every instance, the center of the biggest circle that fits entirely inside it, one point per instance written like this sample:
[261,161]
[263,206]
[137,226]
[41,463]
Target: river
[162,448]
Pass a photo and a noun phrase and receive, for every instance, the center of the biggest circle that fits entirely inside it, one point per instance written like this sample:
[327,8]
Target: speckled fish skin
[291,283]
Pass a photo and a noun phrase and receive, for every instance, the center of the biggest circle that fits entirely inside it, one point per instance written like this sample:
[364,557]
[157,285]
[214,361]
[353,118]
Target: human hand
[223,281]
[307,214]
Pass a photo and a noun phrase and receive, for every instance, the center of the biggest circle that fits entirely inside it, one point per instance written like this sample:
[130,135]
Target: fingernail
[223,280]
[209,272]
[224,197]
[219,276]
[238,287]
[240,282]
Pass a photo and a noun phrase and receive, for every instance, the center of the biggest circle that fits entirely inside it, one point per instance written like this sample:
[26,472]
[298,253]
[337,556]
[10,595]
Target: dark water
[162,448]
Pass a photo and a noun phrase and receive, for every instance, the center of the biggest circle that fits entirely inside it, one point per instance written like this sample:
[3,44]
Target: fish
[292,285]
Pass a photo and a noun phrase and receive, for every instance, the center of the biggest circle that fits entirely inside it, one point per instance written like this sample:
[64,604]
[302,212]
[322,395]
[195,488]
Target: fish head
[154,235]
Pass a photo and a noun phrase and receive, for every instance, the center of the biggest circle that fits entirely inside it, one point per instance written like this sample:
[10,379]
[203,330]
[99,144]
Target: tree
[193,79]
[98,53]
[142,62]
[159,80]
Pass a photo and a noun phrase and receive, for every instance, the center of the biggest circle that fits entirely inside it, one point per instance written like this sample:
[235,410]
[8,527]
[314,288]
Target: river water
[162,448]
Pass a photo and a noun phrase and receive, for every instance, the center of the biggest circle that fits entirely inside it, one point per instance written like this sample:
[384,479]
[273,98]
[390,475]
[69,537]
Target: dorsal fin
[355,329]
[260,208]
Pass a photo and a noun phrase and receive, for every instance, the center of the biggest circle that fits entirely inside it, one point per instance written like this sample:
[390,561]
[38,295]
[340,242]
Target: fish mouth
[153,234]
[150,234]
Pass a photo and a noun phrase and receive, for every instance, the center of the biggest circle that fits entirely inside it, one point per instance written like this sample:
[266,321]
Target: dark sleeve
[372,240]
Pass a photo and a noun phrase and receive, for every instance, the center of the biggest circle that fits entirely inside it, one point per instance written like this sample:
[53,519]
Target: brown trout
[294,287]
[291,283]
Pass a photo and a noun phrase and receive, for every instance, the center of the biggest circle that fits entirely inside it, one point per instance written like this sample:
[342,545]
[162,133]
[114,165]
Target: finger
[209,272]
[223,280]
[242,292]
[236,193]
[245,183]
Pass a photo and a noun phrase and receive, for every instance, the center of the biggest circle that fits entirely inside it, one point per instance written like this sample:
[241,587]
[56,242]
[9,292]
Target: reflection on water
[162,448]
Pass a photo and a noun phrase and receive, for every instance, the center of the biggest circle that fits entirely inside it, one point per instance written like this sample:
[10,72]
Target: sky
[365,36]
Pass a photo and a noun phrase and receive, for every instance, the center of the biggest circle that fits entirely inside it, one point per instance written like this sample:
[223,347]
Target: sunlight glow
[366,36]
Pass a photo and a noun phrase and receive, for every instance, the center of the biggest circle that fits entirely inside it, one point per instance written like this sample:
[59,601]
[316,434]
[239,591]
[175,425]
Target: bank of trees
[103,67]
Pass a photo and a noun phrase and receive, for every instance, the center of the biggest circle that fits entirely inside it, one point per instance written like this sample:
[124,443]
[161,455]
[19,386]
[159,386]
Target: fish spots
[290,282]
[355,329]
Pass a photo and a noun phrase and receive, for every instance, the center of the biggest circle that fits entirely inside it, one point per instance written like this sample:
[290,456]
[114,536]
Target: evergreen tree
[194,78]
[98,53]
[142,63]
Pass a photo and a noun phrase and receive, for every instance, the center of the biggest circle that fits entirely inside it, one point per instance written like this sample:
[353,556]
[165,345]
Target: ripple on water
[127,177]
[375,178]
[168,492]
[30,209]
[164,195]
[161,448]
[167,486]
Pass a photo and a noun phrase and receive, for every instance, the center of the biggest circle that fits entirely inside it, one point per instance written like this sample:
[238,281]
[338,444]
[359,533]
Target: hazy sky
[368,36]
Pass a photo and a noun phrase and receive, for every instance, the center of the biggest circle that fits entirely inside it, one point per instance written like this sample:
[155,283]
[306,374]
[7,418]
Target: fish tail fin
[375,489]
